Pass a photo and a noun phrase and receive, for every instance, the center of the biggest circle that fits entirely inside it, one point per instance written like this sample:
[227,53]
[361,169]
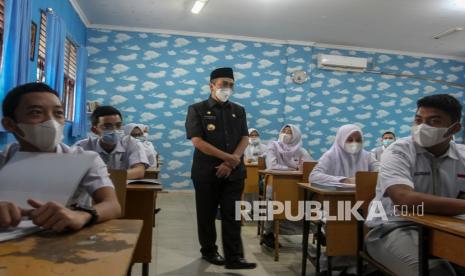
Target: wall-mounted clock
[299,76]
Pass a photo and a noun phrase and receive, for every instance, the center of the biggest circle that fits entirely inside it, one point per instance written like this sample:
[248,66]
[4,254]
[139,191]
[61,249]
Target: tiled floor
[176,248]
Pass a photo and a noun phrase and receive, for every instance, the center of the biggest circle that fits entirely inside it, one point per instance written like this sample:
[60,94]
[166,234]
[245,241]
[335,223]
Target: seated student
[137,131]
[344,158]
[386,139]
[34,114]
[425,168]
[116,152]
[255,148]
[287,153]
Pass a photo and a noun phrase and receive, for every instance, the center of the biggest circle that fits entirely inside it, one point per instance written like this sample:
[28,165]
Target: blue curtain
[79,125]
[55,52]
[15,57]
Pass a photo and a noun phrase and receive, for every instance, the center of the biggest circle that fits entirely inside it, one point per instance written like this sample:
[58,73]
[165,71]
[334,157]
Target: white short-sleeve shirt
[96,178]
[127,153]
[405,162]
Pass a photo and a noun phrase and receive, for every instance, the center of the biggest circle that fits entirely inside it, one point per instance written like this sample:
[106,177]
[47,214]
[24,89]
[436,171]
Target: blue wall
[77,31]
[152,78]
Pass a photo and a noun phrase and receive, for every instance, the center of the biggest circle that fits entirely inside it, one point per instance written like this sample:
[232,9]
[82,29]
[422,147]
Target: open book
[43,177]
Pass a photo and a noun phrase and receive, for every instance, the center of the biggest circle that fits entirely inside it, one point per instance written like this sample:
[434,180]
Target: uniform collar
[119,148]
[451,152]
[212,103]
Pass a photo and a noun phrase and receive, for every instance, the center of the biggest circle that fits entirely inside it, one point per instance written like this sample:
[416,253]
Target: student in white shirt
[137,132]
[345,158]
[287,153]
[34,113]
[116,152]
[149,146]
[427,168]
[386,139]
[255,148]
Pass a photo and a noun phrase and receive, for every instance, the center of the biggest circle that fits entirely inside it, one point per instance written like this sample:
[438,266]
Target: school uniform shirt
[96,177]
[150,152]
[252,152]
[222,126]
[405,162]
[127,152]
[337,164]
[148,146]
[282,156]
[377,152]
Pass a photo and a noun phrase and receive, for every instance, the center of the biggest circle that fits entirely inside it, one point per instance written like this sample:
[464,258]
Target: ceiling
[401,25]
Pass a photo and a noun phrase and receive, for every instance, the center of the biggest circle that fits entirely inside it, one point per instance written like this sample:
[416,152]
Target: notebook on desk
[144,181]
[335,186]
[43,176]
[24,228]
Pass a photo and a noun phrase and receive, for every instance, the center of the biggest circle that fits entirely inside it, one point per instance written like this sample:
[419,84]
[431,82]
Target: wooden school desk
[284,186]
[140,203]
[442,237]
[251,182]
[341,236]
[101,249]
[152,173]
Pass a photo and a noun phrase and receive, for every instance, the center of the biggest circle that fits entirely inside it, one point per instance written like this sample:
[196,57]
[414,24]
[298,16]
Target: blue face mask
[112,137]
[388,142]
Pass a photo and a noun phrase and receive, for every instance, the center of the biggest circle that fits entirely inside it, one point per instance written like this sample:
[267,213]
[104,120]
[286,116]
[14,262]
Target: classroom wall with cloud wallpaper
[153,78]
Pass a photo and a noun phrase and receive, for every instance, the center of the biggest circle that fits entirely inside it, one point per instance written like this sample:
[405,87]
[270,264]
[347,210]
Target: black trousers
[209,194]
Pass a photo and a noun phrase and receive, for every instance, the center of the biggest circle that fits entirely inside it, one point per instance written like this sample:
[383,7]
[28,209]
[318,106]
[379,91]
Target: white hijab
[130,127]
[289,150]
[346,164]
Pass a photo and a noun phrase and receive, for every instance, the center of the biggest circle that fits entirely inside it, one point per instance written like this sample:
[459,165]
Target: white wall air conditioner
[342,63]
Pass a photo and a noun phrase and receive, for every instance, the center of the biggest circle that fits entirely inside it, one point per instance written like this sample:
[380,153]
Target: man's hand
[223,170]
[10,214]
[56,217]
[232,160]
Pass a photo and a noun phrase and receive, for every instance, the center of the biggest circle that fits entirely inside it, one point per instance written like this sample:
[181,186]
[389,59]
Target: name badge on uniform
[211,127]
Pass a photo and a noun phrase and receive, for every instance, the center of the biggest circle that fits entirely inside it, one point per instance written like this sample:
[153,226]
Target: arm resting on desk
[402,194]
[136,171]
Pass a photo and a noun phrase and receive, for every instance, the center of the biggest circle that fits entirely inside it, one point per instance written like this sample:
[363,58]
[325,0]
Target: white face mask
[285,138]
[45,136]
[223,94]
[353,147]
[428,136]
[254,141]
[388,142]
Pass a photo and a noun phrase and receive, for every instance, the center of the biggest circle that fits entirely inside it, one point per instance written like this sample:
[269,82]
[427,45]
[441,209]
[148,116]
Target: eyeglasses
[110,126]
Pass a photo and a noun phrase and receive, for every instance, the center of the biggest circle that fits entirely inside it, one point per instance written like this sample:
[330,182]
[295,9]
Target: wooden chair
[307,169]
[294,196]
[365,190]
[261,194]
[119,179]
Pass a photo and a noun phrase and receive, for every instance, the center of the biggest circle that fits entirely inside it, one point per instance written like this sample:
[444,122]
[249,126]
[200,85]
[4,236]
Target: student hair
[13,97]
[101,111]
[443,102]
[389,132]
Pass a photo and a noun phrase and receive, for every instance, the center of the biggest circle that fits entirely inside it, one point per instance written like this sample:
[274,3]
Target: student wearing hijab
[345,158]
[386,139]
[287,153]
[255,148]
[137,131]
